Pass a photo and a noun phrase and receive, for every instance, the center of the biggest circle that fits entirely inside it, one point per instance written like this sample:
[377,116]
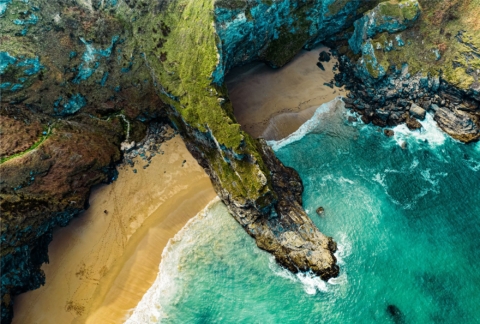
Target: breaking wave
[308,126]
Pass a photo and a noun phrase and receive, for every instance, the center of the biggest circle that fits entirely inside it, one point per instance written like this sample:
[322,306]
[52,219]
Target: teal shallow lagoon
[406,220]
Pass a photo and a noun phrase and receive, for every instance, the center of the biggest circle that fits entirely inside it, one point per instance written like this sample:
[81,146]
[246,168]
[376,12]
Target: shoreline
[102,264]
[105,286]
[273,103]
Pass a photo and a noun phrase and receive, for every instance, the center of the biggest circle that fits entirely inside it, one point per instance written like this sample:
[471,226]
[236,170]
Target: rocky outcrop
[67,94]
[396,76]
[83,75]
[401,98]
[282,227]
[458,124]
[389,16]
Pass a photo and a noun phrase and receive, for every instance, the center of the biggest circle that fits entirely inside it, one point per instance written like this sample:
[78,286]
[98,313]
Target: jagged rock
[402,103]
[397,117]
[459,124]
[417,112]
[320,210]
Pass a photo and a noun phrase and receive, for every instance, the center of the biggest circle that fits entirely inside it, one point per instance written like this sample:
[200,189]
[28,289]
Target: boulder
[320,65]
[434,107]
[417,112]
[320,211]
[324,57]
[382,114]
[389,132]
[413,123]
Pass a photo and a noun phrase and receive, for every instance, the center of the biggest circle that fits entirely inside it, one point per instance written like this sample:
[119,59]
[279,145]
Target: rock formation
[82,76]
[407,57]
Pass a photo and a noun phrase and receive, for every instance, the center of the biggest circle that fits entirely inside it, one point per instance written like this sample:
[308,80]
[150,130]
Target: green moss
[409,12]
[399,9]
[182,55]
[457,40]
[335,7]
[42,139]
[369,65]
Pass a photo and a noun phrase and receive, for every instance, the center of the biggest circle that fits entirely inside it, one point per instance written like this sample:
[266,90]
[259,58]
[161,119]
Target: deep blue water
[407,222]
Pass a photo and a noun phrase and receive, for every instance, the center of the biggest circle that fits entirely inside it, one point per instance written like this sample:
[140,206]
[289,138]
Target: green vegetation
[336,6]
[42,139]
[445,40]
[403,9]
[180,46]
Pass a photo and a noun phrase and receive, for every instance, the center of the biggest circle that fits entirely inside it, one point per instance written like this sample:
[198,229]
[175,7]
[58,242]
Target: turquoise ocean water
[407,222]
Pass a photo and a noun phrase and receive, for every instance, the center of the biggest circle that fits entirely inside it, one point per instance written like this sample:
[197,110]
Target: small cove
[405,220]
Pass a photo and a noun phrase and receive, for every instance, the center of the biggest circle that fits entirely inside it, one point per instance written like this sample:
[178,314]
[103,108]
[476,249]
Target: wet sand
[102,264]
[273,103]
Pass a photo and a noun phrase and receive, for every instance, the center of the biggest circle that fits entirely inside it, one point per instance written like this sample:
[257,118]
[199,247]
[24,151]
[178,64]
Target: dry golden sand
[273,103]
[102,264]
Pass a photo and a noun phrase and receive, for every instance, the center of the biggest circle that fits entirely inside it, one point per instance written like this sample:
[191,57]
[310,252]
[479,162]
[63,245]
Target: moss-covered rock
[78,69]
[389,16]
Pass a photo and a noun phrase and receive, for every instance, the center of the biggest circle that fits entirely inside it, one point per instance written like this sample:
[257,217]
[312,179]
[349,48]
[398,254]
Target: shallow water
[406,220]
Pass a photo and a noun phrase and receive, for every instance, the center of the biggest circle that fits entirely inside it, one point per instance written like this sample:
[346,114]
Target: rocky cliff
[405,58]
[79,77]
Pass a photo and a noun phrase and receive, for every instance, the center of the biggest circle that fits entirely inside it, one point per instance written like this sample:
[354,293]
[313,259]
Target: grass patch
[31,148]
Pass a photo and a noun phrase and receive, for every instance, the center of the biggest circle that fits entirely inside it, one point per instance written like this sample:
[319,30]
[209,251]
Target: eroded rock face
[67,89]
[82,76]
[458,124]
[393,63]
[78,74]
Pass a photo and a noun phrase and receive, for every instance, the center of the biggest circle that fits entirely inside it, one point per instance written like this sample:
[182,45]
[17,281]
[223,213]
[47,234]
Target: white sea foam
[429,133]
[344,248]
[311,283]
[149,309]
[473,165]
[308,126]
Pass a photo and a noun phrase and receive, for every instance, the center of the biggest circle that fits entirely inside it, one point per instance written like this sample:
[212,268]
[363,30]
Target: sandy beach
[102,263]
[105,260]
[273,103]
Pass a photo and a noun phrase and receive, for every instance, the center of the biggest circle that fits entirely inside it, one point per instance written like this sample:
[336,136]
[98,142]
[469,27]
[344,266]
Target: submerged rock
[320,65]
[396,314]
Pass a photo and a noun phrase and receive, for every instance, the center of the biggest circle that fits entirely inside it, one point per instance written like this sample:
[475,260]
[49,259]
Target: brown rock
[389,132]
[413,123]
[460,125]
[320,211]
